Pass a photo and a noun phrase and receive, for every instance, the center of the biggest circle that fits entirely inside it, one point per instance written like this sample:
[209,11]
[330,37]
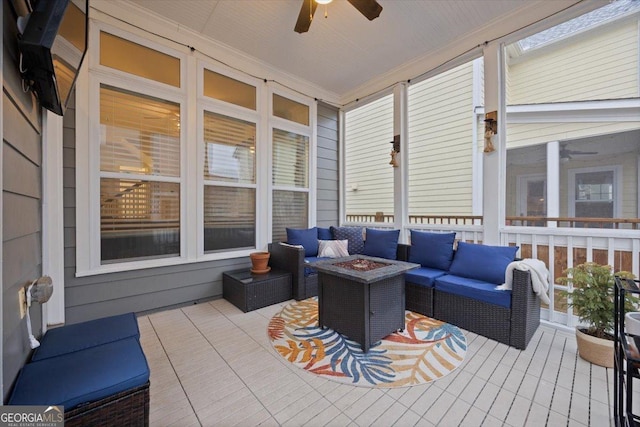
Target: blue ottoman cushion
[423,276]
[82,376]
[475,289]
[79,336]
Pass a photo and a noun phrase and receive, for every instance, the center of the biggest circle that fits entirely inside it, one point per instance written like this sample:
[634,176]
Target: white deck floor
[212,364]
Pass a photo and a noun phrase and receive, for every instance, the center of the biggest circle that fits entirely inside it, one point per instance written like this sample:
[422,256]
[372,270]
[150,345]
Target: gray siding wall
[21,201]
[144,290]
[328,176]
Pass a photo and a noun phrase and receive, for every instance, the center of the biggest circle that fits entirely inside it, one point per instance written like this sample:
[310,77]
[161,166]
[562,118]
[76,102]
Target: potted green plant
[592,301]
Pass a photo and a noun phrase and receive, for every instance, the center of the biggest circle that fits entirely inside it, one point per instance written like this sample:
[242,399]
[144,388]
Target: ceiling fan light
[323,1]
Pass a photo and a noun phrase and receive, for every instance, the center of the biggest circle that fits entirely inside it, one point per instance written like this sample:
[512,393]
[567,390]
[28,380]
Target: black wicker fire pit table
[362,297]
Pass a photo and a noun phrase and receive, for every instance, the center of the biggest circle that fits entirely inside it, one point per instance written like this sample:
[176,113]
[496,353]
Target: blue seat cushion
[307,268]
[475,289]
[423,276]
[82,376]
[381,243]
[79,336]
[433,250]
[353,235]
[482,262]
[306,237]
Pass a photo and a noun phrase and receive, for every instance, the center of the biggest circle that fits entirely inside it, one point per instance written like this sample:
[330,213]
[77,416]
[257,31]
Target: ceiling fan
[369,8]
[567,154]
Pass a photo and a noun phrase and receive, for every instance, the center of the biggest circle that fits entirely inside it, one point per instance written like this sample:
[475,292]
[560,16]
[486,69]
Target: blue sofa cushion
[307,237]
[79,336]
[482,262]
[381,243]
[324,234]
[433,250]
[423,276]
[353,235]
[82,376]
[307,268]
[475,289]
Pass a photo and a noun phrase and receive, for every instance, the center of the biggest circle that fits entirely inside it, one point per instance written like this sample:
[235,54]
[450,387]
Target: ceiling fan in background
[369,8]
[567,154]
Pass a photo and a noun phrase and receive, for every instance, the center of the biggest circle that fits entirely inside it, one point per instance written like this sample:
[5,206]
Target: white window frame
[617,187]
[233,111]
[88,260]
[193,104]
[300,129]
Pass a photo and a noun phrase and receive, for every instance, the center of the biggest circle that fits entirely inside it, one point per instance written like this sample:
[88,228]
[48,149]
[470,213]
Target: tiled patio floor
[211,364]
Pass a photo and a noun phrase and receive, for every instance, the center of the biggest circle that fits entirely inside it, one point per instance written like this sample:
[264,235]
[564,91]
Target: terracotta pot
[598,351]
[259,261]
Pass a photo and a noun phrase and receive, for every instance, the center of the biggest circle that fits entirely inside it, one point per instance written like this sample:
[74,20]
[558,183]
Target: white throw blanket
[539,277]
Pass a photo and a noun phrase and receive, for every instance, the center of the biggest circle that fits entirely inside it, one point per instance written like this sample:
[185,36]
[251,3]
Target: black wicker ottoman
[249,291]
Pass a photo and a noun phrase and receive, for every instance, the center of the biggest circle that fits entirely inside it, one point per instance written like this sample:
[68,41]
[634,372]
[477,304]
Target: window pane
[230,90]
[290,110]
[290,159]
[139,134]
[230,151]
[290,209]
[139,219]
[441,145]
[130,57]
[368,175]
[526,186]
[229,218]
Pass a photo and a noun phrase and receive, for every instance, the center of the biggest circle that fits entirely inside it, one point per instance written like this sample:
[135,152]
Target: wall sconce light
[490,129]
[394,151]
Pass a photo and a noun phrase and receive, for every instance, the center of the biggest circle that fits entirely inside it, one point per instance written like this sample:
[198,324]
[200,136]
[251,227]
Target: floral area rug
[426,350]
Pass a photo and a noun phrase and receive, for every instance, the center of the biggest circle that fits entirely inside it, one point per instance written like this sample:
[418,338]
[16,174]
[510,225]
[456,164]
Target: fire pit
[362,297]
[361,264]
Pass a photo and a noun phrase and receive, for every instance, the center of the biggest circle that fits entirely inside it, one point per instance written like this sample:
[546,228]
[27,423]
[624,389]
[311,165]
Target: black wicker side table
[249,291]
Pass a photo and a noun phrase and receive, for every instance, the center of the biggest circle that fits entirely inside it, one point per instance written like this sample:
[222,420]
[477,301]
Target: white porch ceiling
[345,54]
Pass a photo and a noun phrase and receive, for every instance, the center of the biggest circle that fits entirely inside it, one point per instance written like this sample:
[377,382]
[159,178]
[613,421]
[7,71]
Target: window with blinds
[290,182]
[139,175]
[229,183]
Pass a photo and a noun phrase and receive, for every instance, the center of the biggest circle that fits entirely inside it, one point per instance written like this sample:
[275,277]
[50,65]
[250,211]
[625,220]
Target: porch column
[493,171]
[400,173]
[553,182]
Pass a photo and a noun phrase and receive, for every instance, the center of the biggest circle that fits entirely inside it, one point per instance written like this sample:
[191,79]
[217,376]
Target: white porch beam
[400,173]
[493,173]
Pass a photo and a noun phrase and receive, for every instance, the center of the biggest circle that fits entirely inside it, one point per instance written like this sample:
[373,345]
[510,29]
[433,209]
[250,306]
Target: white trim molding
[53,217]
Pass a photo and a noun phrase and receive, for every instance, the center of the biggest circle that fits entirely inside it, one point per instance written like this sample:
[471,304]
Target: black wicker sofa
[459,287]
[292,256]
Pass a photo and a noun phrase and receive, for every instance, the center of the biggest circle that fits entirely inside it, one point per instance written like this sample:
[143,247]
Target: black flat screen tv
[52,44]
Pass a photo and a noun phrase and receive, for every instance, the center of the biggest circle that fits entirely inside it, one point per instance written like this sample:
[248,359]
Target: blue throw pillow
[381,243]
[482,262]
[307,237]
[324,234]
[353,235]
[432,250]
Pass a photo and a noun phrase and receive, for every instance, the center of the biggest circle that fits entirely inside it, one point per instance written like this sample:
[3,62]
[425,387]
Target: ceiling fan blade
[369,8]
[306,15]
